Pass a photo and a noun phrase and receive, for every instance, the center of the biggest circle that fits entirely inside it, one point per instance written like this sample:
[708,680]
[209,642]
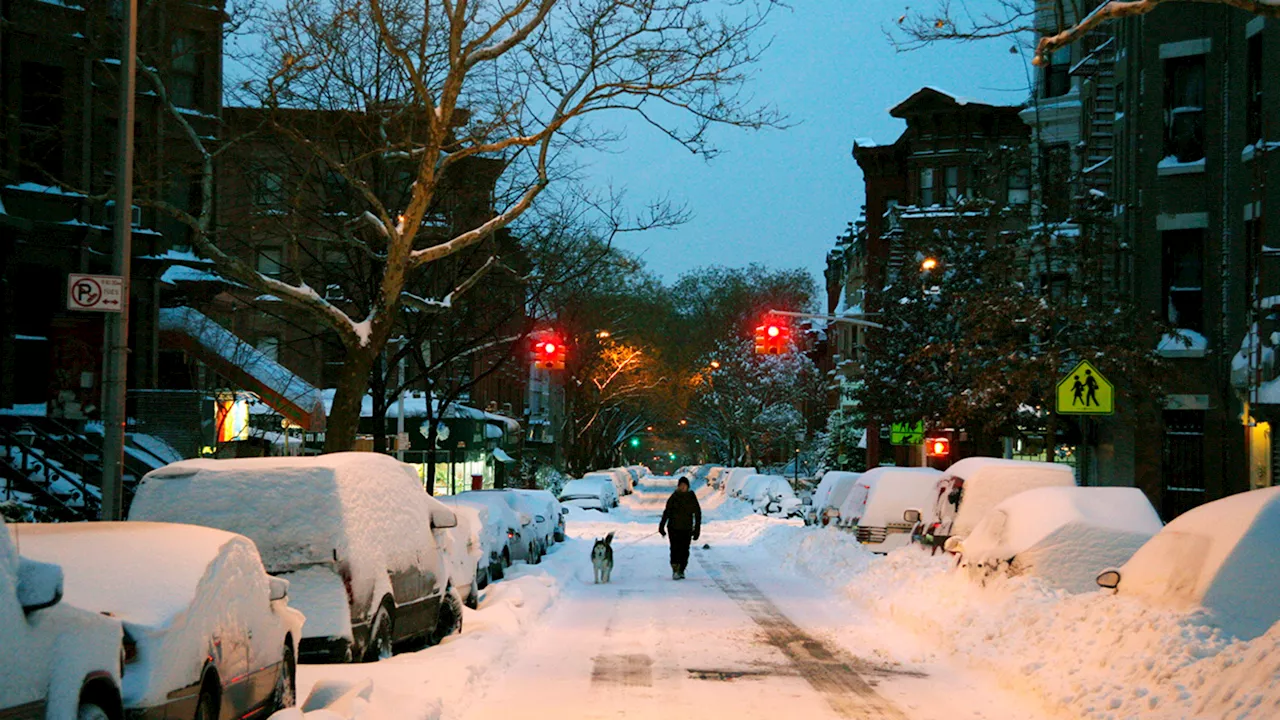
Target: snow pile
[439,681]
[1064,535]
[1093,656]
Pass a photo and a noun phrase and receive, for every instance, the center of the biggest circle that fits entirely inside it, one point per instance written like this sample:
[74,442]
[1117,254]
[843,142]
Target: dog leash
[638,540]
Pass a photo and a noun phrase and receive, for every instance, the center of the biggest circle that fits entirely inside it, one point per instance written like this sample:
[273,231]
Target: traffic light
[548,352]
[937,446]
[635,442]
[773,338]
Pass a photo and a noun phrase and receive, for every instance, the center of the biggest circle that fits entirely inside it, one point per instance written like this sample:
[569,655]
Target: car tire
[496,571]
[381,636]
[286,692]
[92,711]
[534,556]
[449,621]
[506,557]
[207,704]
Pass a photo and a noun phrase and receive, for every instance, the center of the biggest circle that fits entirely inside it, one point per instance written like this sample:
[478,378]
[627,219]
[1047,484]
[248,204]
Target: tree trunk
[344,417]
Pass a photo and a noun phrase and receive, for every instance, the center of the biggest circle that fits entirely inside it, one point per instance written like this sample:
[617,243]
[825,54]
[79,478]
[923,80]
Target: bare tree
[437,84]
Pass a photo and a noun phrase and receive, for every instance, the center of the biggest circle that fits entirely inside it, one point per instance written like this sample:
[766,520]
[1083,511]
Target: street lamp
[715,364]
[929,264]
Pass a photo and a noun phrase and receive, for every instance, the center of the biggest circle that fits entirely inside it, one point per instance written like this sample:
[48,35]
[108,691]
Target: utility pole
[116,350]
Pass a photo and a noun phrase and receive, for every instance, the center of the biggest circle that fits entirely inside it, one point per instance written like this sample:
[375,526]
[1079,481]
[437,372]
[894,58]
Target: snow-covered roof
[142,572]
[988,481]
[895,490]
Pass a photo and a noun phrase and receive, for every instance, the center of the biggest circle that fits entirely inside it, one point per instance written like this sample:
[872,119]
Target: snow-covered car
[498,529]
[523,543]
[970,488]
[607,479]
[1063,535]
[714,475]
[207,633]
[351,532]
[547,507]
[897,497]
[774,497]
[735,478]
[463,550]
[853,499]
[824,504]
[588,494]
[56,660]
[1220,557]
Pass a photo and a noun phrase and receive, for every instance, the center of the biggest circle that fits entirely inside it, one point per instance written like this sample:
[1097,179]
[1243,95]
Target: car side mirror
[564,511]
[911,516]
[442,517]
[279,587]
[39,585]
[1109,579]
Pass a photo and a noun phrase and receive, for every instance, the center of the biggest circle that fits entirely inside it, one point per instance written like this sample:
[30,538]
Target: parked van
[973,486]
[896,499]
[827,498]
[351,532]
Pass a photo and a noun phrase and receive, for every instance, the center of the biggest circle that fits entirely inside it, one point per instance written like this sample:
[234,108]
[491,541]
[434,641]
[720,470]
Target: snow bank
[1064,535]
[1092,656]
[440,681]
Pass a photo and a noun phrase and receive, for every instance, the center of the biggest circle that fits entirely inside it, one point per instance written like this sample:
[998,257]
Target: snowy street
[741,637]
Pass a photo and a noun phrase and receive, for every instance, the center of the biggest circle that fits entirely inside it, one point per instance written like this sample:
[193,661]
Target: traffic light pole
[116,352]
[852,319]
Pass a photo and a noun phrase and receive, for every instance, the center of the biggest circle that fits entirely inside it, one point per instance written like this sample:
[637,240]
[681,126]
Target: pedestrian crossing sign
[1084,391]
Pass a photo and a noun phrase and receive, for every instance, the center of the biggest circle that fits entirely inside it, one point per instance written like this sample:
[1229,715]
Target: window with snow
[1253,90]
[269,345]
[1183,278]
[268,190]
[1057,74]
[185,71]
[926,187]
[891,214]
[1019,187]
[271,261]
[951,182]
[1184,79]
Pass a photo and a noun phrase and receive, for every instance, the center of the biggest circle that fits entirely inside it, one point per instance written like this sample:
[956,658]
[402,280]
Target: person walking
[682,520]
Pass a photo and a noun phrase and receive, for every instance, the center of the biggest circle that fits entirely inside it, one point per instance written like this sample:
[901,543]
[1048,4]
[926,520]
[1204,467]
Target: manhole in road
[626,670]
[828,670]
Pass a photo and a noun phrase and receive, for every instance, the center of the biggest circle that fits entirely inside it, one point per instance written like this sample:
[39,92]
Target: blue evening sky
[781,197]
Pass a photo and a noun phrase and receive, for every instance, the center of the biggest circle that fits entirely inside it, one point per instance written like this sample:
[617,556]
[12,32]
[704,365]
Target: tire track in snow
[830,671]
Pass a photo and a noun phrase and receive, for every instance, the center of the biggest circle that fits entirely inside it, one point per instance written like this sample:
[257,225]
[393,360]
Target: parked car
[735,478]
[775,497]
[1063,535]
[498,528]
[551,528]
[207,633]
[463,551]
[970,488]
[824,504]
[58,660]
[587,493]
[897,497]
[523,543]
[351,532]
[606,479]
[714,476]
[1220,557]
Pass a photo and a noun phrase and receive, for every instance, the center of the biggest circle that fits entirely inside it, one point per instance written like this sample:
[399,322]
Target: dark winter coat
[683,513]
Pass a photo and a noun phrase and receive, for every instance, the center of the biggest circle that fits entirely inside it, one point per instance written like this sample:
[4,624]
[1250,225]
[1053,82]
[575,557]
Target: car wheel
[497,571]
[380,638]
[91,711]
[449,621]
[286,694]
[506,558]
[534,557]
[207,704]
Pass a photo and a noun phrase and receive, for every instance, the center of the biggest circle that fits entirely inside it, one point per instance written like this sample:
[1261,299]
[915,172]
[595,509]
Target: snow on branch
[1118,9]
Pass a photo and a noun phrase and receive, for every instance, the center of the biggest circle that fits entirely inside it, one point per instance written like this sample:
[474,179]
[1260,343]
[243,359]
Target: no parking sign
[95,293]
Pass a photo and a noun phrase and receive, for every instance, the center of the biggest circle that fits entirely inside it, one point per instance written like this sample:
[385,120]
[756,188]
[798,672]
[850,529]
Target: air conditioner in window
[135,216]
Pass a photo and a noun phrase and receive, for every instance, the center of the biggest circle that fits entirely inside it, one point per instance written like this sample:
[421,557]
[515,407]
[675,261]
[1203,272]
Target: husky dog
[602,558]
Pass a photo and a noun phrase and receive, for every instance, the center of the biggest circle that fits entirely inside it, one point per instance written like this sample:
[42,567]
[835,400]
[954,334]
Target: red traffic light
[548,348]
[773,339]
[549,352]
[937,447]
[774,331]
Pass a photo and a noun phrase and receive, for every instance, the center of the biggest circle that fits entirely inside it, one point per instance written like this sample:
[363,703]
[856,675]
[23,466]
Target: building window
[271,261]
[1019,187]
[1183,462]
[1055,176]
[269,345]
[926,187]
[891,214]
[41,116]
[268,190]
[1184,79]
[1253,89]
[951,183]
[1184,278]
[1057,77]
[185,71]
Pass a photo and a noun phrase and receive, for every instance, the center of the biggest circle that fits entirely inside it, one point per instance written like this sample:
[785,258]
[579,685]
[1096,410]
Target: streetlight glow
[929,264]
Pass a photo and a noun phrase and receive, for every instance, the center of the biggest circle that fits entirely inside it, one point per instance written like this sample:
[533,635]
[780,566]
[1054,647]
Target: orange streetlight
[929,264]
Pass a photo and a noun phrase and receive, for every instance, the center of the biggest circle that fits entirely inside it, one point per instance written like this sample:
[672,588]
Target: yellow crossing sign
[1084,391]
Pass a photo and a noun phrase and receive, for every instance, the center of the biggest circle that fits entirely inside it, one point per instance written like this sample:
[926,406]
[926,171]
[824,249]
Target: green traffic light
[635,442]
